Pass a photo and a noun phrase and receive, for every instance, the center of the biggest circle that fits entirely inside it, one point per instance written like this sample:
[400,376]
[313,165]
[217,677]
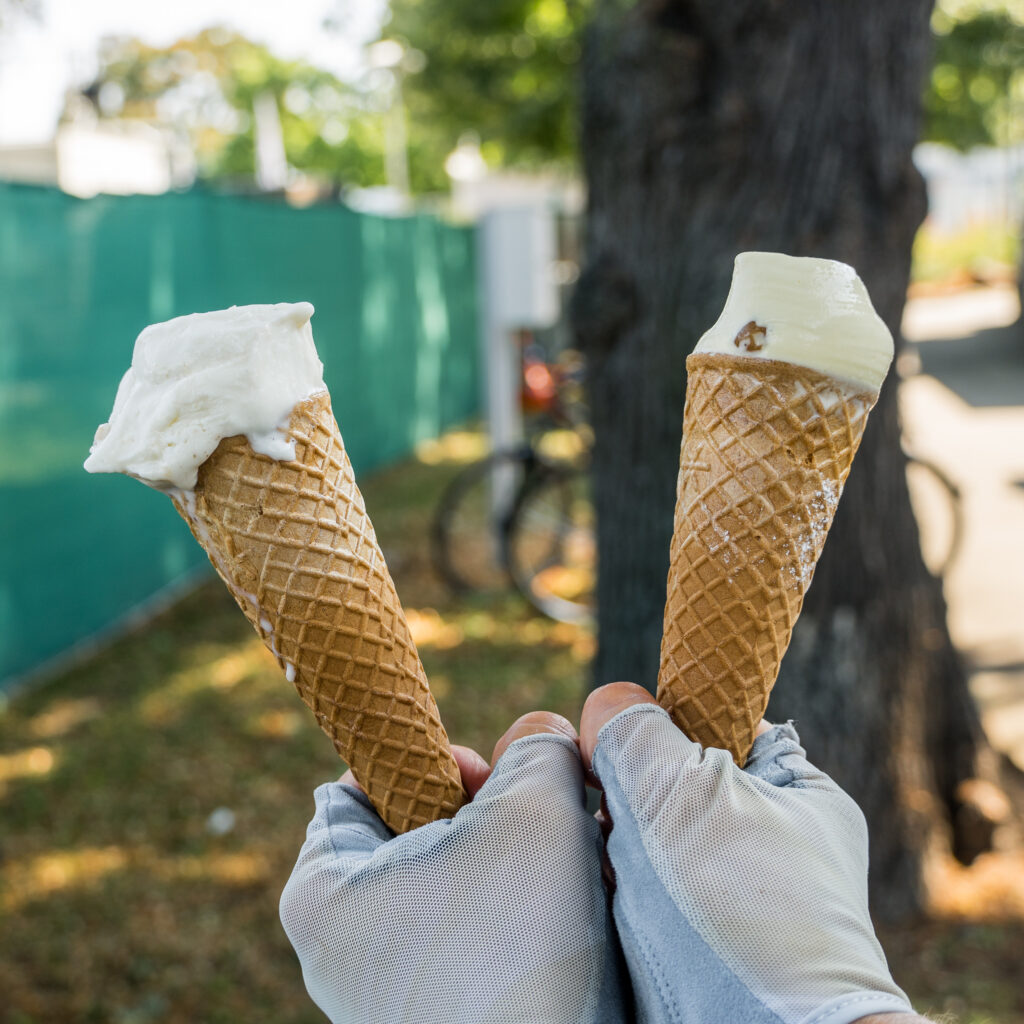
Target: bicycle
[523,516]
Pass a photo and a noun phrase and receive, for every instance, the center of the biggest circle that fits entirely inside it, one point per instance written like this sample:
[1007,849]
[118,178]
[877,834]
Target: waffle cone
[294,545]
[766,449]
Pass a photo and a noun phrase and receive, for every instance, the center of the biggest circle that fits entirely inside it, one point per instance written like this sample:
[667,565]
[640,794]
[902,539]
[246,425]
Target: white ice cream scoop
[810,312]
[200,378]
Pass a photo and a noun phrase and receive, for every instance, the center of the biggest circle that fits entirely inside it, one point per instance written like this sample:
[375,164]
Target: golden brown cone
[766,449]
[294,545]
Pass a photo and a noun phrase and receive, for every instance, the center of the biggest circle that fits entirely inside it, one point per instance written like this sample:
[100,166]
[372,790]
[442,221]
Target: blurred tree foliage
[975,94]
[205,86]
[507,70]
[504,69]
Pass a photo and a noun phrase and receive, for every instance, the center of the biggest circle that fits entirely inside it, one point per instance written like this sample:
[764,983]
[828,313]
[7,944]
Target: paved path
[964,409]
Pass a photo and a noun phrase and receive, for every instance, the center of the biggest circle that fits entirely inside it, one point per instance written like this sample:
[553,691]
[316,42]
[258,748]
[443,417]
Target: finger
[531,724]
[777,757]
[601,707]
[647,765]
[763,727]
[473,768]
[537,777]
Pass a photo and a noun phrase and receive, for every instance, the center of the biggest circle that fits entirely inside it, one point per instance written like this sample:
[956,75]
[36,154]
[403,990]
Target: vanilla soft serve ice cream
[227,414]
[809,312]
[200,378]
[778,393]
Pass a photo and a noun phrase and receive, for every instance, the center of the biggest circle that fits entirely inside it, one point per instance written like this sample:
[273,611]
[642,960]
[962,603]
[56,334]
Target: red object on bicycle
[540,388]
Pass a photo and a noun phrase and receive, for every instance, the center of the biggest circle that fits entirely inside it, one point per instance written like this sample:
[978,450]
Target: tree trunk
[710,128]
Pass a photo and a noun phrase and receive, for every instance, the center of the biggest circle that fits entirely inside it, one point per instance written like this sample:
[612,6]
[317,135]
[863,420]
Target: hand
[741,894]
[497,914]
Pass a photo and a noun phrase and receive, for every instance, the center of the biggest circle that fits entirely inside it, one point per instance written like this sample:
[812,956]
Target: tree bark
[710,128]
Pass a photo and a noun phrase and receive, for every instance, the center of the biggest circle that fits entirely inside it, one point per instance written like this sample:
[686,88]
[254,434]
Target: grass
[122,901]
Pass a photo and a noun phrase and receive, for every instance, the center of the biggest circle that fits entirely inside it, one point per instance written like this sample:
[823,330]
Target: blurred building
[965,189]
[89,155]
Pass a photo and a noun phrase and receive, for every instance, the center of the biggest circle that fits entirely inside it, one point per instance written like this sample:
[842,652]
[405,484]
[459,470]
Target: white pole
[499,358]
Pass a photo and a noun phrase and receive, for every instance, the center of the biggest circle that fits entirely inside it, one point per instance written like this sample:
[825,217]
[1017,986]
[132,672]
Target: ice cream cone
[767,446]
[292,541]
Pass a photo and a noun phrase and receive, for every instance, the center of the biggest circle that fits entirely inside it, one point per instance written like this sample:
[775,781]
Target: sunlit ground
[964,410]
[152,803]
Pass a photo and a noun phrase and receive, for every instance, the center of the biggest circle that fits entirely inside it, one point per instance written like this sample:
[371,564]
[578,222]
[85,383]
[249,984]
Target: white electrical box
[518,246]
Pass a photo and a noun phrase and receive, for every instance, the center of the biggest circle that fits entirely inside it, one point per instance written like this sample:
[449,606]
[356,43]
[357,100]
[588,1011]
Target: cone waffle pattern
[767,447]
[294,545]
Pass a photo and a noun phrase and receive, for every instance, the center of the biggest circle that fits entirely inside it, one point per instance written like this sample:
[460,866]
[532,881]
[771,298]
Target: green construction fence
[395,326]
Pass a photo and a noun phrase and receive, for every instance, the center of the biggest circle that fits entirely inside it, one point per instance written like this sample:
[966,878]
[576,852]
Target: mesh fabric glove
[742,894]
[498,914]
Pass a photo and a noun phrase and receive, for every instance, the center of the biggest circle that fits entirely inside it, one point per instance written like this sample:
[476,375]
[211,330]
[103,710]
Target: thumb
[601,707]
[533,723]
[638,755]
[537,776]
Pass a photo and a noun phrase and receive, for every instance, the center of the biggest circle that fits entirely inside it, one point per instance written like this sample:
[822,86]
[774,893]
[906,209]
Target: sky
[38,60]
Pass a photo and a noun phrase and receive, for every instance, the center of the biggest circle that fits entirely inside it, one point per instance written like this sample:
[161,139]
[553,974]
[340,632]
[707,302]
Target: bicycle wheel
[939,513]
[552,549]
[470,529]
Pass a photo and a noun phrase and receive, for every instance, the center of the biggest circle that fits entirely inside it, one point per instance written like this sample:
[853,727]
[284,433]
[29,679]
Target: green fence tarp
[395,326]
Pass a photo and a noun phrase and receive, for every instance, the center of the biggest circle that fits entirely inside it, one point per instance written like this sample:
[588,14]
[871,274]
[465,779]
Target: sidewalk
[965,411]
